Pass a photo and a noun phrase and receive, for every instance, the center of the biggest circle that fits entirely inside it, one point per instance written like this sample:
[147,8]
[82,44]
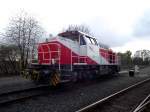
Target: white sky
[114,21]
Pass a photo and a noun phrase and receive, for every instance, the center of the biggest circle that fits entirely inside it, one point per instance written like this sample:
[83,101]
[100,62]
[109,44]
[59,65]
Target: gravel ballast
[70,98]
[14,83]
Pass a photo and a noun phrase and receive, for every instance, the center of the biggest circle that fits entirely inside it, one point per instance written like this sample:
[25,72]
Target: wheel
[74,77]
[80,76]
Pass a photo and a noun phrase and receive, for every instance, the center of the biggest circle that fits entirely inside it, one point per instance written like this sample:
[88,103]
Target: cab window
[82,41]
[96,42]
[88,40]
[91,40]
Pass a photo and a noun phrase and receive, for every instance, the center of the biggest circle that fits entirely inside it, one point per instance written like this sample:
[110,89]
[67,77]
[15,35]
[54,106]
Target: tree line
[128,61]
[18,43]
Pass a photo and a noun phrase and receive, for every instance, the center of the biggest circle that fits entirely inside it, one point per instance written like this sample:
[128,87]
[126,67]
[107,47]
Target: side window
[96,42]
[82,41]
[88,40]
[92,40]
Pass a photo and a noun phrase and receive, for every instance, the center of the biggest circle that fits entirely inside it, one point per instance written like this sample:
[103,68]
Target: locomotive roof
[74,33]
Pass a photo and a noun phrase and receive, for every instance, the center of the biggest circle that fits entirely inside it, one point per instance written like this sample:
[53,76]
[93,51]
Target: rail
[100,102]
[18,95]
[143,104]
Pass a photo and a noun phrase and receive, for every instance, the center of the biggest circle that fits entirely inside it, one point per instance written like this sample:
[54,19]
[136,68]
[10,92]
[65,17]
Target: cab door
[93,50]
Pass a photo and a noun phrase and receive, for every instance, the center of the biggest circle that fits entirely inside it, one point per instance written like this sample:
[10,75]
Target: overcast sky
[122,24]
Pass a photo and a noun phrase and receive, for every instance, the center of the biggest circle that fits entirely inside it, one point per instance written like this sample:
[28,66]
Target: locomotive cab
[74,36]
[86,44]
[80,37]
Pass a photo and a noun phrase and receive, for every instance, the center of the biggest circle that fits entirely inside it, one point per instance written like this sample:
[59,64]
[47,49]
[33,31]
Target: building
[142,54]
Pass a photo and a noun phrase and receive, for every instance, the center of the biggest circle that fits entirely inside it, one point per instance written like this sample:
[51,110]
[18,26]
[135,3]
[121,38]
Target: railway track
[125,100]
[142,106]
[18,95]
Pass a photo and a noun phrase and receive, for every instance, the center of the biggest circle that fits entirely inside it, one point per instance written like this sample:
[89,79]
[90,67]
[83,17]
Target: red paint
[109,55]
[65,54]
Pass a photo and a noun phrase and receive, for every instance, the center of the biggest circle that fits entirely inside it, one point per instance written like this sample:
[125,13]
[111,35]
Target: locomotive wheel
[75,77]
[90,76]
[84,76]
[80,77]
[55,79]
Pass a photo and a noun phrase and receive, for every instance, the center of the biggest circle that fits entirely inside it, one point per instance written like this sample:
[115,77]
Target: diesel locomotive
[72,56]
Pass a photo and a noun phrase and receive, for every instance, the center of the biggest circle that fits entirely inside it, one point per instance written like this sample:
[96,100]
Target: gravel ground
[14,83]
[126,102]
[70,98]
[147,109]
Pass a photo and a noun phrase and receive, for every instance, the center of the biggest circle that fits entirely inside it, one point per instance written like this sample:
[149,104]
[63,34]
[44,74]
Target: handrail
[50,52]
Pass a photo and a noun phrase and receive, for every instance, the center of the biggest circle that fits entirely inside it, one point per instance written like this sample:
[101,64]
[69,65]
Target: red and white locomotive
[72,56]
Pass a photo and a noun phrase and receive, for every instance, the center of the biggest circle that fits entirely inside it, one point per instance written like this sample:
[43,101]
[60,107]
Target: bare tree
[24,32]
[83,28]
